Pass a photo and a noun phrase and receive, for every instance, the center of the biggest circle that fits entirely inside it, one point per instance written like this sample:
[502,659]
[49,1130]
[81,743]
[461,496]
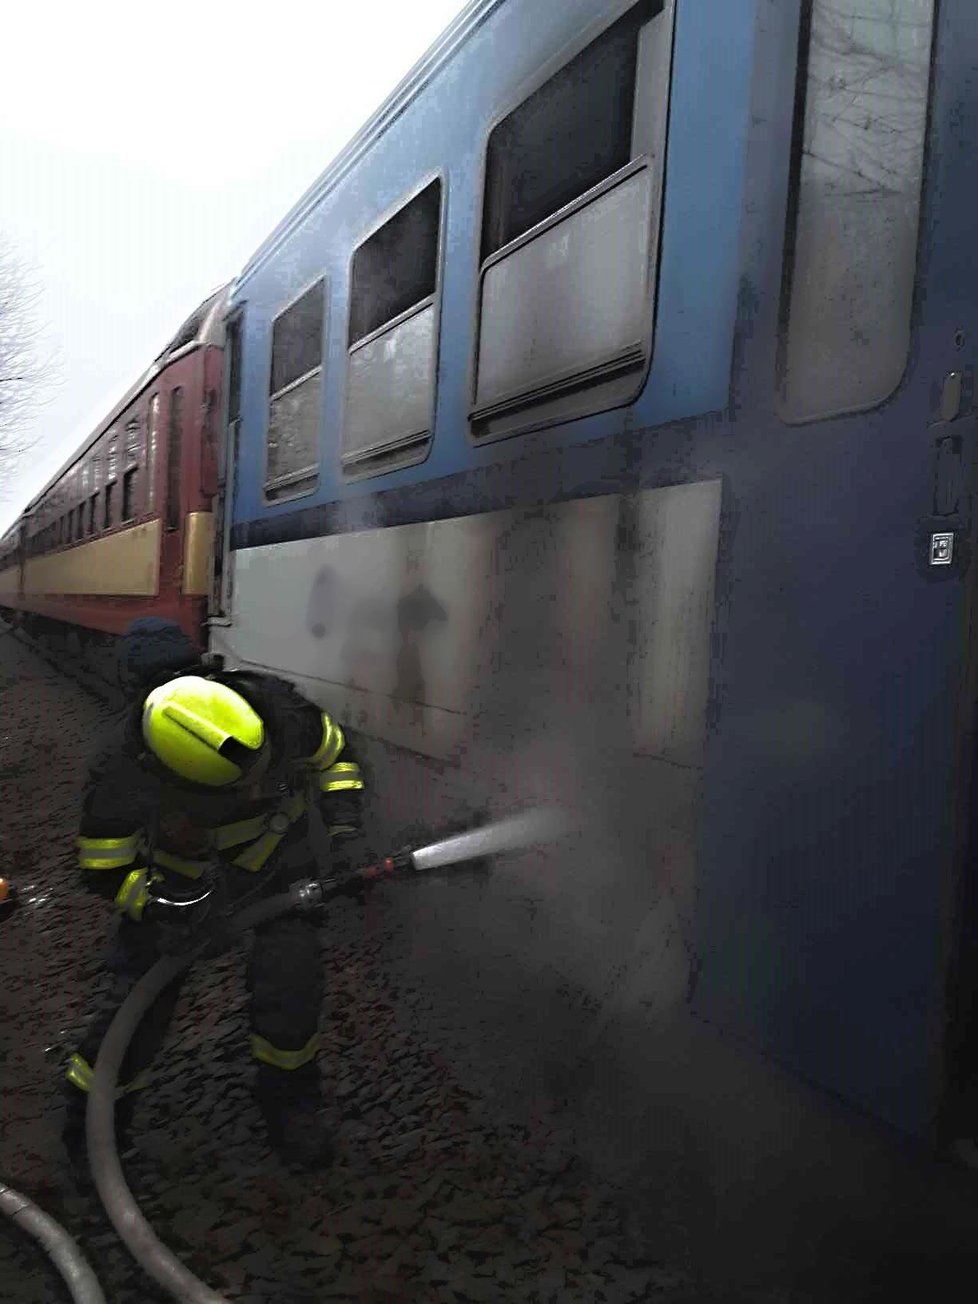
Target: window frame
[383,462]
[132,465]
[572,403]
[110,439]
[789,229]
[151,450]
[302,476]
[130,489]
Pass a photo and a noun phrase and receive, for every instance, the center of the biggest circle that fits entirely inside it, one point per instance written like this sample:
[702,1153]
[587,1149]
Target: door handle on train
[948,474]
[943,544]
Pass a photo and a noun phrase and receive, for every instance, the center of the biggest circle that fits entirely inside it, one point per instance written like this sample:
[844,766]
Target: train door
[174,416]
[835,849]
[220,593]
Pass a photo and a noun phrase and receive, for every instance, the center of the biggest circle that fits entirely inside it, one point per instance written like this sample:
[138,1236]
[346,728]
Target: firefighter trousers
[285,983]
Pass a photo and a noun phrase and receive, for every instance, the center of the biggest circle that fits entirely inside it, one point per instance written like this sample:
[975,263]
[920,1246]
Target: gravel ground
[434,1196]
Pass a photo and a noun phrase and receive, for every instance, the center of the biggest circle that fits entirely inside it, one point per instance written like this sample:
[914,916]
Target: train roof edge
[207,321]
[431,62]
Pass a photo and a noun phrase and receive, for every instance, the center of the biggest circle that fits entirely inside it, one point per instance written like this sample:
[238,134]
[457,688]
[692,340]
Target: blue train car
[600,428]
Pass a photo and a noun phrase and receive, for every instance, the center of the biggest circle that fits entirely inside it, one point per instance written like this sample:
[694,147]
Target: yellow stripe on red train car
[125,564]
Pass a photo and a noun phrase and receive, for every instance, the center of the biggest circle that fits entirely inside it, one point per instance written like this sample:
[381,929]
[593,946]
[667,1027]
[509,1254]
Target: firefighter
[208,776]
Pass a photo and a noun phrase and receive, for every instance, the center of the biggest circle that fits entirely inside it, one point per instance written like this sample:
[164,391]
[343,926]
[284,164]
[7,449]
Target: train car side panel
[123,564]
[124,529]
[803,756]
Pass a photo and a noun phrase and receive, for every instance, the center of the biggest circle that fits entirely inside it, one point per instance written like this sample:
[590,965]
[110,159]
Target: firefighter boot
[291,1105]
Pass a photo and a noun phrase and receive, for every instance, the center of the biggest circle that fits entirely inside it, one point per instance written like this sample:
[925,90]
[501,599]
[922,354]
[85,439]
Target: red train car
[125,528]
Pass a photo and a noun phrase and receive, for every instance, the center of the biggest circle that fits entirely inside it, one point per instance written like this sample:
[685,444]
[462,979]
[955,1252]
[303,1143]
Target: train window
[393,338]
[297,340]
[573,185]
[129,508]
[173,459]
[110,460]
[92,512]
[133,441]
[557,144]
[130,478]
[295,396]
[857,174]
[152,449]
[112,455]
[396,267]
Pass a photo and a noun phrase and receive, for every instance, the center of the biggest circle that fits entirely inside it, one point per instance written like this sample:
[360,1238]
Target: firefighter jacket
[137,816]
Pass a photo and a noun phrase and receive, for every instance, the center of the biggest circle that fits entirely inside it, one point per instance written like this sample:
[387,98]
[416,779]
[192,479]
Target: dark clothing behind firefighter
[207,779]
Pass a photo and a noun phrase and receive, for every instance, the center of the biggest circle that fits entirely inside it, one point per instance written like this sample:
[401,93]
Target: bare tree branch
[24,375]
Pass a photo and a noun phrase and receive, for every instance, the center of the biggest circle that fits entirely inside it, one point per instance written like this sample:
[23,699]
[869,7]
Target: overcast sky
[146,151]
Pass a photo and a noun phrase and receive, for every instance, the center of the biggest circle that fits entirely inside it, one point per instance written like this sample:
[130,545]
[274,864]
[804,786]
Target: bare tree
[23,374]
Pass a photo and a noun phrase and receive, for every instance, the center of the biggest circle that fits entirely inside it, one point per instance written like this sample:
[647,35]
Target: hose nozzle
[515,833]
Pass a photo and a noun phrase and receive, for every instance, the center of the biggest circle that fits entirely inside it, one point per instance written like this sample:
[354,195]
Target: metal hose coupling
[354,884]
[311,895]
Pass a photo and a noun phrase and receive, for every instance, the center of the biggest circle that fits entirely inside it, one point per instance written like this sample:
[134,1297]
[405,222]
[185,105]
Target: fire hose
[514,834]
[60,1248]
